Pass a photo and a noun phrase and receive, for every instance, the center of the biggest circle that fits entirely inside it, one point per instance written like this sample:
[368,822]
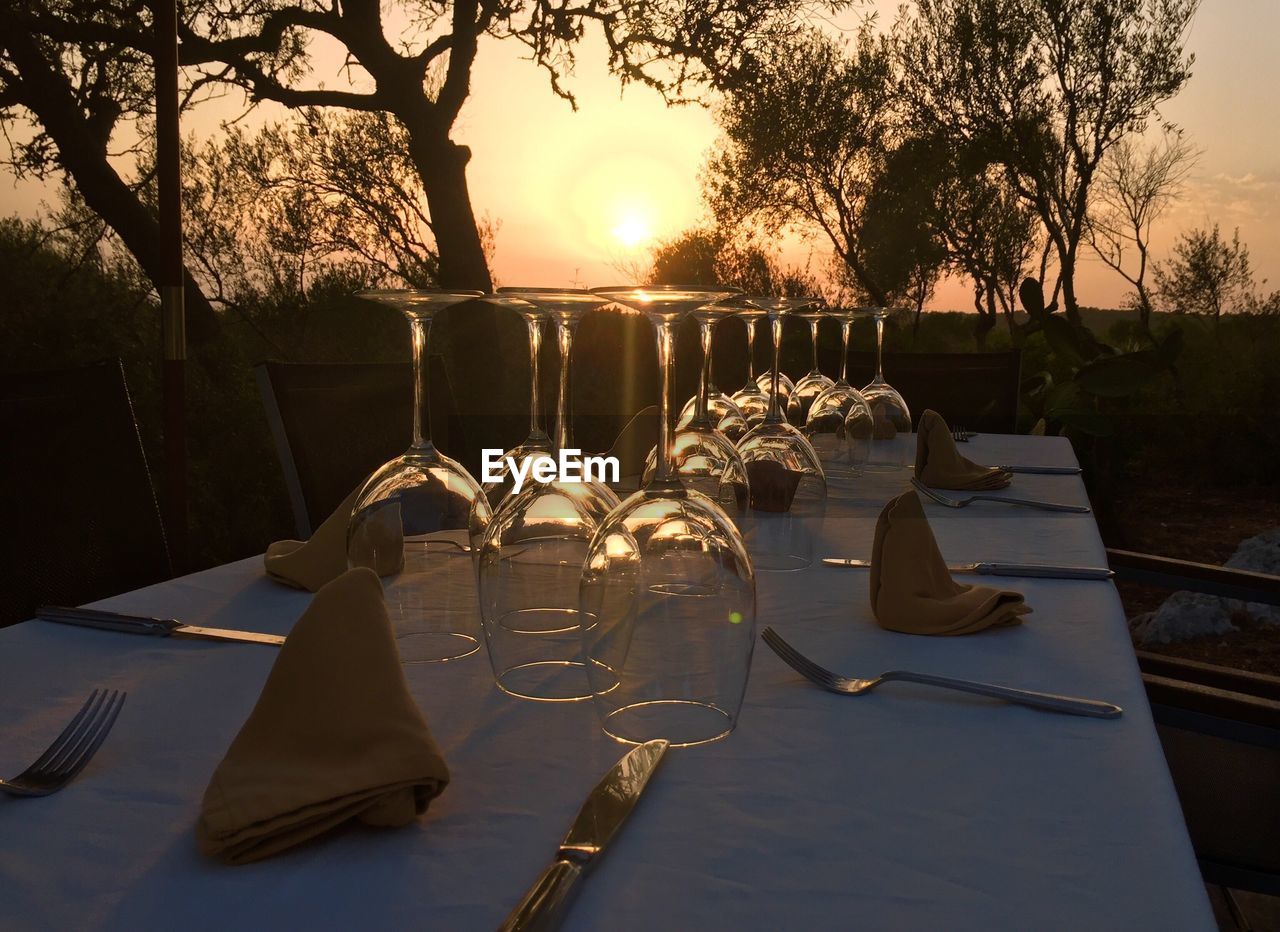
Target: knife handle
[544,906]
[1067,705]
[1043,506]
[108,621]
[1032,571]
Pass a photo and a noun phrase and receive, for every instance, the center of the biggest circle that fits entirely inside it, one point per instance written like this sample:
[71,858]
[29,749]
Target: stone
[1260,554]
[1184,615]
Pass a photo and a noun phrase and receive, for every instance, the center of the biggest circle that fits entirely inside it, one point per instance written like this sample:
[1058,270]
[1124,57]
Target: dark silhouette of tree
[805,142]
[1045,88]
[1134,187]
[1206,274]
[706,257]
[64,106]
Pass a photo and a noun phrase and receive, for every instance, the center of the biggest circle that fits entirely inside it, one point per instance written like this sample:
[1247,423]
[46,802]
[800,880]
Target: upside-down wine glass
[781,384]
[413,520]
[721,412]
[703,456]
[788,485]
[839,423]
[814,383]
[530,559]
[751,399]
[890,447]
[538,444]
[668,594]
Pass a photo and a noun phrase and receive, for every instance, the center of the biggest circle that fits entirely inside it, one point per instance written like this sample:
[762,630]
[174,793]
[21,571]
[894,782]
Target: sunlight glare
[633,229]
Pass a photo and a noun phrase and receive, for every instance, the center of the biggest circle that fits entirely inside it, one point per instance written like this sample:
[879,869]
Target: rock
[1261,554]
[1184,615]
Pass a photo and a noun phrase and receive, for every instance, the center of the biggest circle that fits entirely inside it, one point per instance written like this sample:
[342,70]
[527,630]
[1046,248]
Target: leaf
[1085,420]
[1118,376]
[1075,344]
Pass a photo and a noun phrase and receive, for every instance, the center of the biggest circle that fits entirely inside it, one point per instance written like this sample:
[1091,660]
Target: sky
[580,197]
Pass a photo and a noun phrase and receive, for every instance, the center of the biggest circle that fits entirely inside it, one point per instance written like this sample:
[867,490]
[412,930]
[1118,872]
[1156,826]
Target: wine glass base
[540,621]
[435,646]
[683,722]
[546,681]
[779,562]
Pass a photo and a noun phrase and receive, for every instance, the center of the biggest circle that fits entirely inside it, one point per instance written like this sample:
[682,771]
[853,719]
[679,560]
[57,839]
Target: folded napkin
[939,464]
[772,486]
[911,589]
[312,563]
[335,736]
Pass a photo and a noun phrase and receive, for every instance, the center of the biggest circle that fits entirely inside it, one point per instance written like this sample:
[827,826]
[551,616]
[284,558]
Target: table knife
[1041,570]
[606,808]
[156,627]
[1043,470]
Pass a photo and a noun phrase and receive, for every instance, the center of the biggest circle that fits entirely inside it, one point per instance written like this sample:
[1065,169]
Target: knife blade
[155,627]
[605,809]
[1033,570]
[1043,470]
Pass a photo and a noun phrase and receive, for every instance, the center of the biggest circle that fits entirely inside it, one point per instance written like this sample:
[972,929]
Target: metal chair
[1220,729]
[81,517]
[334,423]
[977,391]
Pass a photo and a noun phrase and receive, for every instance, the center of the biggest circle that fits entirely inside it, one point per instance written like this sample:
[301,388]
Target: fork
[848,686]
[960,435]
[969,500]
[71,750]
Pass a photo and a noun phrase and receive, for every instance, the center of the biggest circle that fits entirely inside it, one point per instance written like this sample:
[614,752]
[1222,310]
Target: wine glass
[839,423]
[751,400]
[538,444]
[704,457]
[415,516]
[890,446]
[721,412]
[787,388]
[814,383]
[668,594]
[788,485]
[530,559]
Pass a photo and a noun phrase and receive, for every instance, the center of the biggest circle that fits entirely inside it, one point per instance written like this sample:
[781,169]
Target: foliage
[1205,274]
[706,257]
[1045,88]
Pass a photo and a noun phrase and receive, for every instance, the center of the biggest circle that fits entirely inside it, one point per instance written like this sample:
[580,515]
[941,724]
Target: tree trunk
[1067,278]
[442,166]
[986,313]
[83,156]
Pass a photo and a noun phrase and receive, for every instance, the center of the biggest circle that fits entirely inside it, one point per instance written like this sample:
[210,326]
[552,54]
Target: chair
[81,518]
[1220,729]
[334,423]
[977,391]
[614,376]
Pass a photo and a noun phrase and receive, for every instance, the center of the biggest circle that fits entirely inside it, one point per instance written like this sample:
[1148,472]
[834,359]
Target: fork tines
[798,661]
[72,749]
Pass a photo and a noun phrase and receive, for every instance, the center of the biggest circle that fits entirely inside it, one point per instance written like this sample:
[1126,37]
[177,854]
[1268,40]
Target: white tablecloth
[910,808]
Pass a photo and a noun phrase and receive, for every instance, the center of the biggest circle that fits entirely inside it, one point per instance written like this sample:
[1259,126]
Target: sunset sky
[580,196]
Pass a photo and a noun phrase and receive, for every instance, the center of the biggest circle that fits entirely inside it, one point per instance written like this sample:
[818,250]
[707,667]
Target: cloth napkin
[772,486]
[940,465]
[335,736]
[313,563]
[911,589]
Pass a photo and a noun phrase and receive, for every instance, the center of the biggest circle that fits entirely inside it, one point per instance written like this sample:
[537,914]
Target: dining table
[911,807]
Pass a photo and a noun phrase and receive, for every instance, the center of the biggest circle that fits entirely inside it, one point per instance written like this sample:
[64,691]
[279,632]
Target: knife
[1043,470]
[606,808]
[141,624]
[1041,570]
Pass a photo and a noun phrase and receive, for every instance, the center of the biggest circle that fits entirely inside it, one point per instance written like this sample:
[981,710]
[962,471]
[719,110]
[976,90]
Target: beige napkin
[335,736]
[911,589]
[772,486]
[939,464]
[312,563]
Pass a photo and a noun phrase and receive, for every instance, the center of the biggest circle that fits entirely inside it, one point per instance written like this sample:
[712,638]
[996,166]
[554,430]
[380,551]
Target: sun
[632,229]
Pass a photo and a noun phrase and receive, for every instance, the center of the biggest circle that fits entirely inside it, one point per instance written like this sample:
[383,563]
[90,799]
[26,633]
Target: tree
[1134,188]
[1046,88]
[707,257]
[1206,274]
[804,142]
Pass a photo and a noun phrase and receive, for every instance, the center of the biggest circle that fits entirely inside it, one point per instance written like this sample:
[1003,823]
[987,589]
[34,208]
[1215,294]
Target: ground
[1173,519]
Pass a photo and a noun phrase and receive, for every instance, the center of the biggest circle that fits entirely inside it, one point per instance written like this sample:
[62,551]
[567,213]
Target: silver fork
[71,750]
[960,435]
[970,499]
[848,686]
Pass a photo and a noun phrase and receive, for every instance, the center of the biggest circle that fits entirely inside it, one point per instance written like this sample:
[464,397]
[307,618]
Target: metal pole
[173,316]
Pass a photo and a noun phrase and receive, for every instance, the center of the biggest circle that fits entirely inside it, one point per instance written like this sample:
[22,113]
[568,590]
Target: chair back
[976,391]
[81,517]
[335,423]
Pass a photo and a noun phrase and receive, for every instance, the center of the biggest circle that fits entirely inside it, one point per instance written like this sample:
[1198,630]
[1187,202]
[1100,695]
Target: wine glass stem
[776,326]
[813,339]
[845,327]
[418,328]
[564,430]
[704,331]
[535,383]
[666,338]
[879,347]
[751,352]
